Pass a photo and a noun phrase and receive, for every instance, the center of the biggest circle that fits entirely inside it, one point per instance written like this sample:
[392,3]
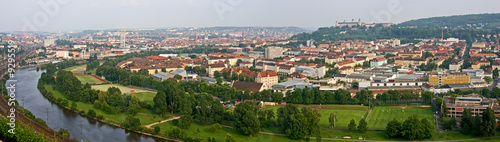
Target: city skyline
[66,15]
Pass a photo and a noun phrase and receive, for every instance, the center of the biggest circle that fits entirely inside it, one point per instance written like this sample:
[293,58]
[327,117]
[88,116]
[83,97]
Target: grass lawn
[77,69]
[145,96]
[343,116]
[88,79]
[220,135]
[381,115]
[124,89]
[143,114]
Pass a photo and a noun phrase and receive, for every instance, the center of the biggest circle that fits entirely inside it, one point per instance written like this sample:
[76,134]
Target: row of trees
[479,125]
[411,129]
[234,76]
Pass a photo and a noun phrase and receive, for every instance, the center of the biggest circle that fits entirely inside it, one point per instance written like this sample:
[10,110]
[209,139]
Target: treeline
[457,21]
[341,96]
[93,63]
[234,76]
[332,34]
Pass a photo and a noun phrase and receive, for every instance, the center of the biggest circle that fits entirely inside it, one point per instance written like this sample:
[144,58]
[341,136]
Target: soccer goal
[415,104]
[403,106]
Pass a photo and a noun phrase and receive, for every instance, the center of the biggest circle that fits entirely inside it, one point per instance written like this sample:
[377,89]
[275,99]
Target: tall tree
[495,73]
[489,122]
[160,103]
[332,119]
[352,125]
[393,129]
[246,118]
[363,126]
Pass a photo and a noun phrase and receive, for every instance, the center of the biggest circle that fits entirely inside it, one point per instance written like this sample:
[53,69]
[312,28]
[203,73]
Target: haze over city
[123,14]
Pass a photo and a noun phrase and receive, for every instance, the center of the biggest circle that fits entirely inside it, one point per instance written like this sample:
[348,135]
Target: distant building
[359,23]
[440,78]
[379,61]
[474,102]
[251,86]
[288,85]
[456,64]
[49,42]
[273,52]
[269,78]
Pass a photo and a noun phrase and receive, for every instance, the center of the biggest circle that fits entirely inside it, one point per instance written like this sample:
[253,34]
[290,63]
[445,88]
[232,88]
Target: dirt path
[163,121]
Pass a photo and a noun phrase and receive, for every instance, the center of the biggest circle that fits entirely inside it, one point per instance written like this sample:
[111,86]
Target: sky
[76,15]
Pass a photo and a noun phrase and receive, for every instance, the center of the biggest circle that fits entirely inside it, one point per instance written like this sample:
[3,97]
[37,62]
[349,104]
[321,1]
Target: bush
[157,130]
[91,113]
[100,117]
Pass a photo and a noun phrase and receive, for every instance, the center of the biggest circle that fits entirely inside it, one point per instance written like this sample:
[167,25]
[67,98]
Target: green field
[381,115]
[220,135]
[124,89]
[343,116]
[145,96]
[88,79]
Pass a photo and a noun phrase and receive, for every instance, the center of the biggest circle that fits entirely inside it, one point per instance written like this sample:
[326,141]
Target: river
[59,117]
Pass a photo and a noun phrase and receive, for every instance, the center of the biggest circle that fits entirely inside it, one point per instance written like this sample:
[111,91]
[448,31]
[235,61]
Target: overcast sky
[67,15]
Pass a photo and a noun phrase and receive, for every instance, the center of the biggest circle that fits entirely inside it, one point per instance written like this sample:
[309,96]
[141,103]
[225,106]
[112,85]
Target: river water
[59,117]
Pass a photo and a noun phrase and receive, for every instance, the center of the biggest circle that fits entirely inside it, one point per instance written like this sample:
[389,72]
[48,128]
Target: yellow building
[410,54]
[444,79]
[409,61]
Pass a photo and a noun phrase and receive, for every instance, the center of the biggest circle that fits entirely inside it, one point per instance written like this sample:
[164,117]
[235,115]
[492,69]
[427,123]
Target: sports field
[88,79]
[381,115]
[344,114]
[77,69]
[124,89]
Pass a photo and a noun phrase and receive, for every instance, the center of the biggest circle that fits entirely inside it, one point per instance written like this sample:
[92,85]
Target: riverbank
[110,119]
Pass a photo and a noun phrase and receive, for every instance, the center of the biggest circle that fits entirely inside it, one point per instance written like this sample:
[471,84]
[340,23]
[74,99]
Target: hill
[471,21]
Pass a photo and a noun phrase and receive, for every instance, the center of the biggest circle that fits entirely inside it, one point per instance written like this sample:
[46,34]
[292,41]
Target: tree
[395,69]
[219,81]
[332,119]
[466,121]
[73,106]
[91,113]
[352,125]
[215,127]
[132,123]
[427,95]
[202,111]
[178,77]
[363,126]
[217,111]
[160,103]
[392,129]
[355,84]
[488,122]
[246,118]
[296,126]
[229,138]
[217,74]
[277,97]
[64,132]
[495,73]
[488,79]
[157,129]
[366,64]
